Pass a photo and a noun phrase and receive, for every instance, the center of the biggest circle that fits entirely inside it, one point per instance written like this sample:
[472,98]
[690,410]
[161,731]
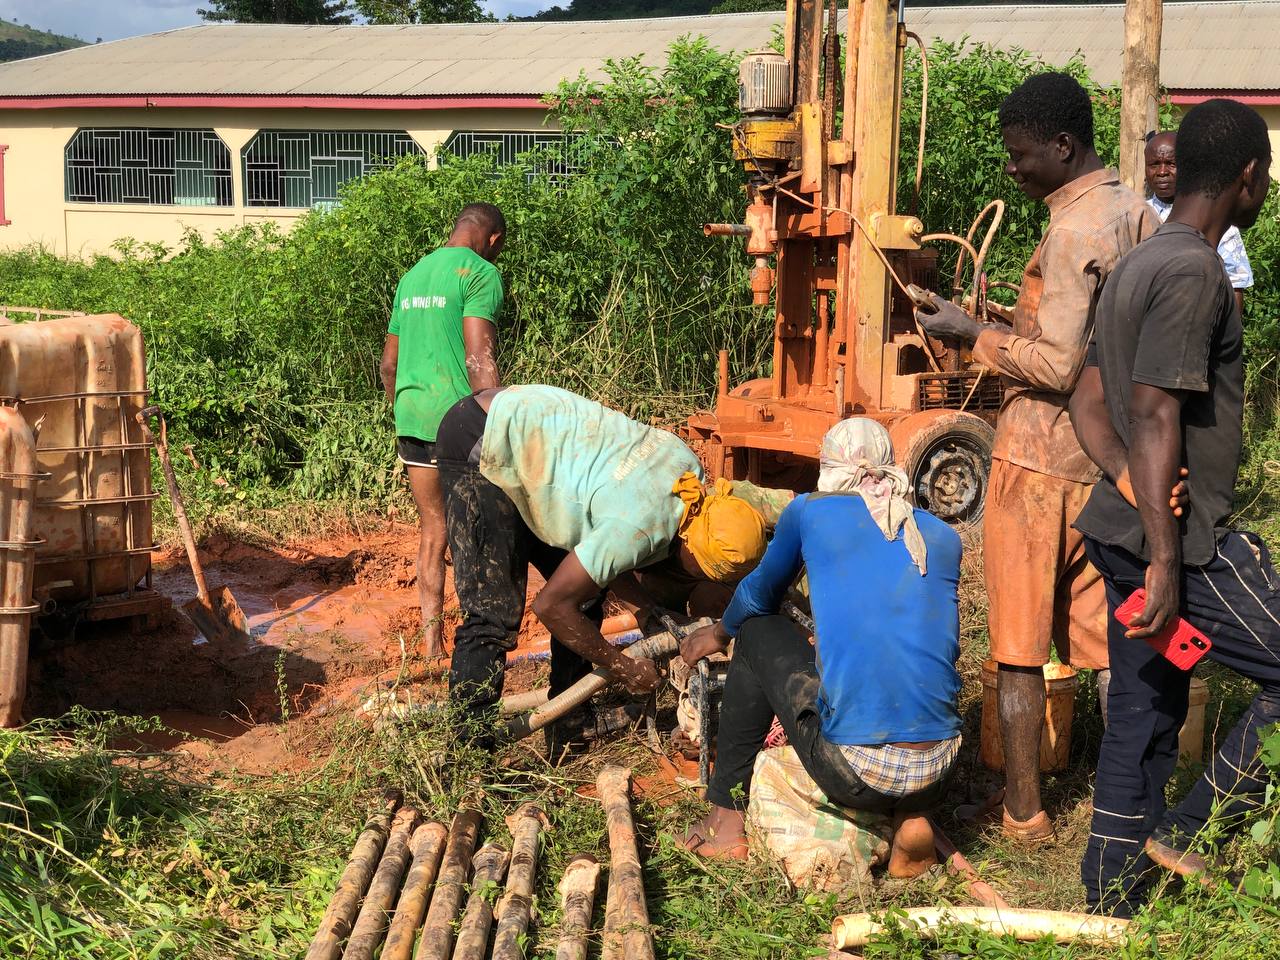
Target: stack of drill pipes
[427,848]
[629,936]
[659,645]
[341,912]
[958,866]
[437,931]
[516,905]
[473,932]
[577,897]
[375,912]
[857,929]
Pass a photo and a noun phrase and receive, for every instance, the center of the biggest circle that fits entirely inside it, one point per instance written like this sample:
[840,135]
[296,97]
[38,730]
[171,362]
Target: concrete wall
[34,184]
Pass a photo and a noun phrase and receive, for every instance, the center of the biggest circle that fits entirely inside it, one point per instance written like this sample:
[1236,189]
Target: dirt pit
[332,621]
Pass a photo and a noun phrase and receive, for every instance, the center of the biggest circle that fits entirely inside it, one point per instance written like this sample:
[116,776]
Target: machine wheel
[947,457]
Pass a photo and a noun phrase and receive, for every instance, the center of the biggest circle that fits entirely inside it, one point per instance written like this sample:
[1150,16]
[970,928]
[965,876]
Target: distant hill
[19,40]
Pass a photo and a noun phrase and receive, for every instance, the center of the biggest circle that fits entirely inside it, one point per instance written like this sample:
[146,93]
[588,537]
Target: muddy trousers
[1234,600]
[492,548]
[773,672]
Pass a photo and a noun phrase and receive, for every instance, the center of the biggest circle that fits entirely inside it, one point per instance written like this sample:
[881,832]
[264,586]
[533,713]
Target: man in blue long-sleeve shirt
[870,705]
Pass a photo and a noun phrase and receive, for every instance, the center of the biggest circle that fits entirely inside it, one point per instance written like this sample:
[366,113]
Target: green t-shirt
[431,300]
[586,478]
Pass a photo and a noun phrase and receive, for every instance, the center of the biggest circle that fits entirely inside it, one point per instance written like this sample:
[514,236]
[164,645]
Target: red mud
[329,620]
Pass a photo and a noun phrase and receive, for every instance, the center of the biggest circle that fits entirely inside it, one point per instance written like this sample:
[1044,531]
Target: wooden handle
[161,443]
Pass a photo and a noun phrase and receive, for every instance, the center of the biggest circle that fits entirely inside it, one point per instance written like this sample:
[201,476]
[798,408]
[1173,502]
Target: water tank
[18,479]
[764,85]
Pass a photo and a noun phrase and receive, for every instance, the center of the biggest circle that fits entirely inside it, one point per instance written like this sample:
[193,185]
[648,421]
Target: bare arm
[1155,419]
[559,607]
[1097,436]
[480,337]
[390,359]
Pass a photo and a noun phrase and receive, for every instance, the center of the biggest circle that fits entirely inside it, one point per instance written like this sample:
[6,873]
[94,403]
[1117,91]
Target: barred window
[305,168]
[187,168]
[509,146]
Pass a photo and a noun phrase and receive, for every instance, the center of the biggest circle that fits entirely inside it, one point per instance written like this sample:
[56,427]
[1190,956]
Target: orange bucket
[1060,682]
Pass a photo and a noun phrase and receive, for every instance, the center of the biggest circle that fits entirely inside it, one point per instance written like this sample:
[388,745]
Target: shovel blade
[219,618]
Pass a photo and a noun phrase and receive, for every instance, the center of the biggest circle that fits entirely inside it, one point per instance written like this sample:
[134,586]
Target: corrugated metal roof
[1208,45]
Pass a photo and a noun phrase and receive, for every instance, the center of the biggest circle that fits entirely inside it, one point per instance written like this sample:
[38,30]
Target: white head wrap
[857,458]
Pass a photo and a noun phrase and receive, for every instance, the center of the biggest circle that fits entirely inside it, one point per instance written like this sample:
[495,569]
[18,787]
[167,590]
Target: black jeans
[492,548]
[773,672]
[1235,600]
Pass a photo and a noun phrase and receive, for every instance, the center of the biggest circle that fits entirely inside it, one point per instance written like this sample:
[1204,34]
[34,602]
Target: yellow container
[1060,683]
[18,479]
[1191,736]
[82,379]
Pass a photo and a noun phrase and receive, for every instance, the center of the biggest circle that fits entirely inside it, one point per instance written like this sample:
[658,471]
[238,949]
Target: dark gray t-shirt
[1167,318]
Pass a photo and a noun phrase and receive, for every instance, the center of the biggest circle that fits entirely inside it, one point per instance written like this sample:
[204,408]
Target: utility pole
[1139,84]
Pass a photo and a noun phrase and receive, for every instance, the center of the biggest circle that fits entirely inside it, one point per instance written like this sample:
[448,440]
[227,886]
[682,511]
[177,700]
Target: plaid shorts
[900,771]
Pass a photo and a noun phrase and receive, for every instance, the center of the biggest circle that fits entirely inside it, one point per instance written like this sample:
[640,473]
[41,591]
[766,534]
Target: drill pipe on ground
[437,931]
[473,932]
[611,942]
[375,912]
[341,912]
[427,847]
[855,929]
[650,648]
[626,883]
[516,905]
[577,897]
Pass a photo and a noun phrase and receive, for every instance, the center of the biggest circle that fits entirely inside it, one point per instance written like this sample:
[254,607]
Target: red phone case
[1180,643]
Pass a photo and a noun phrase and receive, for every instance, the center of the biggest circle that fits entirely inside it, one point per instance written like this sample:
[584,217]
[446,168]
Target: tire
[947,458]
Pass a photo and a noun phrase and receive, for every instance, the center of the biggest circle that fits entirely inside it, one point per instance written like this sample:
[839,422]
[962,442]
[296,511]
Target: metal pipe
[577,897]
[375,913]
[473,931]
[726,230]
[427,847]
[516,905]
[437,931]
[341,912]
[626,881]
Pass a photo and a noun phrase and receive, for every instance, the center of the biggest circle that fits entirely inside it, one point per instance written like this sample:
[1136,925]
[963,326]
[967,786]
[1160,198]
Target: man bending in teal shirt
[441,346]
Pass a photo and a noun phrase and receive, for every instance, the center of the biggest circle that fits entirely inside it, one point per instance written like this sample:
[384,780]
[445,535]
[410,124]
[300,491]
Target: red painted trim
[1189,98]
[4,221]
[274,102]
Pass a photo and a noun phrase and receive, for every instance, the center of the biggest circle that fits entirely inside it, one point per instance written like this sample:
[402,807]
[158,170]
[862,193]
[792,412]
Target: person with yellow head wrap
[535,474]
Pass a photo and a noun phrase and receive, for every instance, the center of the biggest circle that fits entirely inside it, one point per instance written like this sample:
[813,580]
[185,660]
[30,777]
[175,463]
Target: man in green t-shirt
[441,346]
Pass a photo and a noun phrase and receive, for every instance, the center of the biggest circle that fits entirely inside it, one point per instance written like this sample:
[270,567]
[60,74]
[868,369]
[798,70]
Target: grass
[114,854]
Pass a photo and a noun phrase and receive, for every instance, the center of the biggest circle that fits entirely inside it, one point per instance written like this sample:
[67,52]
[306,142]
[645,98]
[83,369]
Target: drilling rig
[819,145]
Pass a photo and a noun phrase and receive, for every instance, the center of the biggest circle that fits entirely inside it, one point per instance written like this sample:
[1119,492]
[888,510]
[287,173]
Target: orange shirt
[1093,221]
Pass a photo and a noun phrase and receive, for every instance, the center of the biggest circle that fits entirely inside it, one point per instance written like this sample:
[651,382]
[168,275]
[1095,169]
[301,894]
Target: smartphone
[1180,643]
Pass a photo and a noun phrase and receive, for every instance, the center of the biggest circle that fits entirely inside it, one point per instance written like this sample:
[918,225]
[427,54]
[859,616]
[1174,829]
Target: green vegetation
[18,41]
[263,348]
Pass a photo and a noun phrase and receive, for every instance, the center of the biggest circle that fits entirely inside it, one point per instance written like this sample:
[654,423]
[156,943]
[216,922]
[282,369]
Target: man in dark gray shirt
[1162,392]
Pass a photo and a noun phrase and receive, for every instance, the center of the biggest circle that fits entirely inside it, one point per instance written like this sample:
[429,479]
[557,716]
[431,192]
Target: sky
[113,19]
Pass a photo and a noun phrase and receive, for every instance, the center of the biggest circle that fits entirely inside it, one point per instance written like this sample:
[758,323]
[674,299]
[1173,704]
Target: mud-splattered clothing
[586,478]
[1093,221]
[1040,586]
[877,619]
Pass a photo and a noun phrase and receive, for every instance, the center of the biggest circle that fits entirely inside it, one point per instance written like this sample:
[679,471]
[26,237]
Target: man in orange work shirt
[1042,590]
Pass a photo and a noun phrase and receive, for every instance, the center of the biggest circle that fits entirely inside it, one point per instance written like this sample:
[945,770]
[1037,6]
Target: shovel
[215,613]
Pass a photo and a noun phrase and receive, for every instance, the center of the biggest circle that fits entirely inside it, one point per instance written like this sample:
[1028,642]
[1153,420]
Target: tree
[278,11]
[749,6]
[422,11]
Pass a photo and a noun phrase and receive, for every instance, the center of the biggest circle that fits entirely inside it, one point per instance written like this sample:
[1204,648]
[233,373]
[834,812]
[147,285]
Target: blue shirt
[887,638]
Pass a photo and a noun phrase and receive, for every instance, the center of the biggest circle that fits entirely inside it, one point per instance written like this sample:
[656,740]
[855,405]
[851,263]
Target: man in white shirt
[1162,178]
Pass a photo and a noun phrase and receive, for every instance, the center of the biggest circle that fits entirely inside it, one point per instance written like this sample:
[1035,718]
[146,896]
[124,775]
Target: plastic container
[1060,683]
[1191,736]
[82,378]
[18,479]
